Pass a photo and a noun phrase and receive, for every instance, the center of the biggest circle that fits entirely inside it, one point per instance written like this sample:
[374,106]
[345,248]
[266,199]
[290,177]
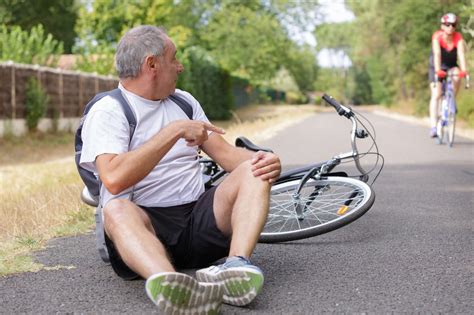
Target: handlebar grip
[331,101]
[340,110]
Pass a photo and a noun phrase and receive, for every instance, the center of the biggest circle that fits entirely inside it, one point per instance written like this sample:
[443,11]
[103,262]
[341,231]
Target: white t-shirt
[176,179]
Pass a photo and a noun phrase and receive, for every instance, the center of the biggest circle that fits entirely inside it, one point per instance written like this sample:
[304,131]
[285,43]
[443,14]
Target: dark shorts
[189,233]
[431,73]
[444,66]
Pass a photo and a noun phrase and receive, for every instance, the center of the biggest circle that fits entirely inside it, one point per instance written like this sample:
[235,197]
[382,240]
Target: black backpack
[90,180]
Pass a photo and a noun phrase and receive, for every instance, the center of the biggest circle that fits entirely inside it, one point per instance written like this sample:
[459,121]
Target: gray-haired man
[157,214]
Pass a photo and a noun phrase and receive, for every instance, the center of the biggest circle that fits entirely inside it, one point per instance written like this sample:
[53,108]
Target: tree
[389,44]
[34,47]
[245,38]
[57,17]
[248,43]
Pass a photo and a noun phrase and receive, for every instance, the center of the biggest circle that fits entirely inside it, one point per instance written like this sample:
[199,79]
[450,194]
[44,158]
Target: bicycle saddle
[243,142]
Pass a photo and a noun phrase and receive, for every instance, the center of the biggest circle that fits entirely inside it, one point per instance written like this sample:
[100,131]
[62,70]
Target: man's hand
[195,132]
[266,165]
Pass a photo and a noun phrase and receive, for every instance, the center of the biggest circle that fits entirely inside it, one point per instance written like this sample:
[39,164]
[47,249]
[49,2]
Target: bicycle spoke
[321,205]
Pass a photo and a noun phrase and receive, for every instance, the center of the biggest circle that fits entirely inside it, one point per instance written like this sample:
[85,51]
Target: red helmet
[449,18]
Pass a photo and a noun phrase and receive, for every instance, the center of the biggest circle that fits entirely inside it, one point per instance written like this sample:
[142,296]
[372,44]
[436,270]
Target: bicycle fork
[300,207]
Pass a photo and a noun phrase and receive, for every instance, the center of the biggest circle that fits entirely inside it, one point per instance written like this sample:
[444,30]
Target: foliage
[207,82]
[33,47]
[36,103]
[57,17]
[256,46]
[389,44]
[98,58]
[245,38]
[302,65]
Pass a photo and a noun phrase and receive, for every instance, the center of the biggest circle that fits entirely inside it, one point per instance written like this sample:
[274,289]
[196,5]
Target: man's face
[170,68]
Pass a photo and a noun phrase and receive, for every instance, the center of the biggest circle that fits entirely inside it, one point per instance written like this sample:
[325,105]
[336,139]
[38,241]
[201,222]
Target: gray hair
[135,46]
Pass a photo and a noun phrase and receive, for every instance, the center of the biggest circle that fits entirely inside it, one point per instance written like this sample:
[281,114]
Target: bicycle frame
[323,169]
[447,94]
[446,109]
[317,170]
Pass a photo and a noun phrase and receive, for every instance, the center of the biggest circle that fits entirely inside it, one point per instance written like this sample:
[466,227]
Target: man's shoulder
[184,94]
[106,108]
[188,97]
[106,103]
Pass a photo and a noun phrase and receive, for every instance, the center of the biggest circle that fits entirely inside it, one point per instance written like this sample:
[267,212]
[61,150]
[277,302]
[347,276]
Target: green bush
[207,82]
[36,102]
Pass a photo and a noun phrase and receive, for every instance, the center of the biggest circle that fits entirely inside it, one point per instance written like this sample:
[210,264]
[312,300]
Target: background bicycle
[446,123]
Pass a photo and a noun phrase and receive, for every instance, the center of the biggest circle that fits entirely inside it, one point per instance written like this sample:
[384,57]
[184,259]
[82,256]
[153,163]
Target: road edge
[421,121]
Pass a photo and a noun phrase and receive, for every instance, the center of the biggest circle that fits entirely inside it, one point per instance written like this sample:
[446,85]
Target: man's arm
[265,165]
[120,171]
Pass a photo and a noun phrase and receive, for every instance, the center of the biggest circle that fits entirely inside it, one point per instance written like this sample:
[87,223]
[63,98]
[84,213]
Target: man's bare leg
[130,229]
[241,207]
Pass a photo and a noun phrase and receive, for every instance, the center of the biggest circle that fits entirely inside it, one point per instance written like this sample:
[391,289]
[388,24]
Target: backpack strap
[183,104]
[127,109]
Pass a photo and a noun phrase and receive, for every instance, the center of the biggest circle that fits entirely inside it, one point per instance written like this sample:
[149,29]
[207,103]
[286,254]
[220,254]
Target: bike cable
[372,134]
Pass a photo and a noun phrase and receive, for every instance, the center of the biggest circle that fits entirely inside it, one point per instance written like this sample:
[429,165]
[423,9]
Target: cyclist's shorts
[189,233]
[431,71]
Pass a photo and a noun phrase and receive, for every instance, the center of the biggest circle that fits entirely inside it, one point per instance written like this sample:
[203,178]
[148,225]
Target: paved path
[412,252]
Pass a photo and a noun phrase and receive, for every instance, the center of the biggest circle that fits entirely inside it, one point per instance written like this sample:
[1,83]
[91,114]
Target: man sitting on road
[157,214]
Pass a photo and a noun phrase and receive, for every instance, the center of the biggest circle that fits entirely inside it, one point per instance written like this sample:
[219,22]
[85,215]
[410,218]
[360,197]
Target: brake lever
[361,133]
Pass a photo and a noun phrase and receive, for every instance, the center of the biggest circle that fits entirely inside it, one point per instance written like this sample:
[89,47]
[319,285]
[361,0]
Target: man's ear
[152,63]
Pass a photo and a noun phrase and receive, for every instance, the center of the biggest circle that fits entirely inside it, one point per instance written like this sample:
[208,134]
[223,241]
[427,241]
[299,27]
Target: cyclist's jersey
[449,53]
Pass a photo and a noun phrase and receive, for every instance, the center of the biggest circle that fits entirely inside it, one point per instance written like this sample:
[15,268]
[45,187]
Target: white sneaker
[242,280]
[178,293]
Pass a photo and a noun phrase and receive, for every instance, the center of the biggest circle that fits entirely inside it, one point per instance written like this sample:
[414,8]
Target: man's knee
[115,213]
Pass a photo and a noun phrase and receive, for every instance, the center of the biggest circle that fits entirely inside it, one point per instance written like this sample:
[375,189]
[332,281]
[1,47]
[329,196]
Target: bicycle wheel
[324,205]
[450,128]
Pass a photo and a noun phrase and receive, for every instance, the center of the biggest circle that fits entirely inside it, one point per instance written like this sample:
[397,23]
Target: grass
[38,147]
[39,199]
[464,118]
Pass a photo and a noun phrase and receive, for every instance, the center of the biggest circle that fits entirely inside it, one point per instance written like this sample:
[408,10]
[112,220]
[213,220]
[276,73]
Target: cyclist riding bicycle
[448,47]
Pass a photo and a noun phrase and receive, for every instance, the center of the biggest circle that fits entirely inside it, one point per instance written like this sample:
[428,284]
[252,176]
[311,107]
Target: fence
[68,92]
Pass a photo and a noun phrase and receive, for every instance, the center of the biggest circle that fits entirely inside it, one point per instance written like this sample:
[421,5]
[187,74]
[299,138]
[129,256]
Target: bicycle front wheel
[322,206]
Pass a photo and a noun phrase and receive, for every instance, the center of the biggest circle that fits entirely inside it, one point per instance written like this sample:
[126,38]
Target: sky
[333,11]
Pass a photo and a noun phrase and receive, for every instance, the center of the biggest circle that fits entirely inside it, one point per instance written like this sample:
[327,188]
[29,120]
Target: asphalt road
[412,252]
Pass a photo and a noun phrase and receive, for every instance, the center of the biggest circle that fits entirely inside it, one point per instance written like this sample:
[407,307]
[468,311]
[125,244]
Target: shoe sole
[241,284]
[177,293]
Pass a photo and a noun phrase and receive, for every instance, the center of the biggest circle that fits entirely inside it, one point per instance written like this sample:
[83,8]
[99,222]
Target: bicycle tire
[328,203]
[450,128]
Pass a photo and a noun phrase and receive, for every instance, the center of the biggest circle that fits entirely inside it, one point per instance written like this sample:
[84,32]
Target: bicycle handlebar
[452,75]
[340,109]
[355,132]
